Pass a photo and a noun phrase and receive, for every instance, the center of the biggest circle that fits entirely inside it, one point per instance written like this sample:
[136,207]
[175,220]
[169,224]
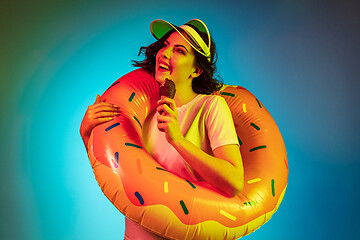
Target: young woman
[192,135]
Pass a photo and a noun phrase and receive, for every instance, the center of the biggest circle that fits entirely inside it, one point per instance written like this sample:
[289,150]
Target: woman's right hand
[98,113]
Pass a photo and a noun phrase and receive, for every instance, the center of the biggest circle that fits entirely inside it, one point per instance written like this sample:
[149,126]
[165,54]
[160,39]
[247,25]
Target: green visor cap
[160,27]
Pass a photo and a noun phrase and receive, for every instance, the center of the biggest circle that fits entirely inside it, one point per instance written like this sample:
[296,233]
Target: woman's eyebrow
[179,45]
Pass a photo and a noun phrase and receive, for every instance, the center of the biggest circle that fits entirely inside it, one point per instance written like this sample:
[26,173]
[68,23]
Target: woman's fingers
[102,105]
[168,118]
[98,99]
[164,119]
[168,101]
[97,113]
[100,120]
[100,112]
[89,122]
[104,108]
[164,108]
[105,114]
[163,127]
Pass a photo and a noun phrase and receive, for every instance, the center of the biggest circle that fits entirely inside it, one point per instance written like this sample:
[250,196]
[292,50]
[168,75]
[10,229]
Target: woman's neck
[184,94]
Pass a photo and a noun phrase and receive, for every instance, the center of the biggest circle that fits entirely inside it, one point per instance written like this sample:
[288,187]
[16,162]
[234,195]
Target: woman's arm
[99,112]
[224,170]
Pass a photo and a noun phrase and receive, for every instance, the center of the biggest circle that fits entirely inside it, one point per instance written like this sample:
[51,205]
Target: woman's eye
[179,50]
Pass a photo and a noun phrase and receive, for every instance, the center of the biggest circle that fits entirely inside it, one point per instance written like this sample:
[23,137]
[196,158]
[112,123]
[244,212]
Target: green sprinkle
[191,184]
[259,103]
[184,207]
[257,148]
[138,121]
[273,187]
[241,143]
[132,97]
[162,169]
[132,145]
[227,94]
[255,126]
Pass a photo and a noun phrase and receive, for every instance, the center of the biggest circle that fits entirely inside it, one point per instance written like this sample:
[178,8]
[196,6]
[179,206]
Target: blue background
[300,58]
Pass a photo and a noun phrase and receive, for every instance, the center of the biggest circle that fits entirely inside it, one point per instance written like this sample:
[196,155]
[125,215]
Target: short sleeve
[220,125]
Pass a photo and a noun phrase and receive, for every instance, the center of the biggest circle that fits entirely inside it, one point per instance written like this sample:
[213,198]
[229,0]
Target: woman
[192,135]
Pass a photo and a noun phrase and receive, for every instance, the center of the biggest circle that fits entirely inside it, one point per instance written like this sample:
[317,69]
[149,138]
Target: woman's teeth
[163,66]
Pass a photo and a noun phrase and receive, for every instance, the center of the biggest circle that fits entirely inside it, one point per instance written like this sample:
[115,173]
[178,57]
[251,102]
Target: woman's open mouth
[163,66]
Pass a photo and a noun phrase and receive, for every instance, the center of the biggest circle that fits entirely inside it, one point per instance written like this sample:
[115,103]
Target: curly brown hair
[205,83]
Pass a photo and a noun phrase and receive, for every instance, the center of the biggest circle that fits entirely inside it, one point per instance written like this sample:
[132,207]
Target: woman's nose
[167,52]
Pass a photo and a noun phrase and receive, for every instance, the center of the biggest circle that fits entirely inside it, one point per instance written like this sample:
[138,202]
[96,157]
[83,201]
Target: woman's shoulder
[209,98]
[204,103]
[210,101]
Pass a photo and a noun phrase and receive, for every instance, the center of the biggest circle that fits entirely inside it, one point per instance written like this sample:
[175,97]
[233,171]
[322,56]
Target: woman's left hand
[168,119]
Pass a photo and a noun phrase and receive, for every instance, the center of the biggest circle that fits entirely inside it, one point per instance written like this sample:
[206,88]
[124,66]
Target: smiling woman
[186,56]
[192,135]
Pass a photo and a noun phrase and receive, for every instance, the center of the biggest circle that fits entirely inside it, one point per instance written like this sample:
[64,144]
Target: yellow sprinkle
[146,111]
[228,215]
[244,108]
[166,187]
[254,180]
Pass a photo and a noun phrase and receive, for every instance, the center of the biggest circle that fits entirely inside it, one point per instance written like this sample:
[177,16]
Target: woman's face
[175,60]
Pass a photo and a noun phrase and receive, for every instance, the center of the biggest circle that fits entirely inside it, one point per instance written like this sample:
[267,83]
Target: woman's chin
[160,78]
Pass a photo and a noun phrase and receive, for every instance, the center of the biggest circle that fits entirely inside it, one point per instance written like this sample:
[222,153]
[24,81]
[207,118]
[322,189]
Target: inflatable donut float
[171,206]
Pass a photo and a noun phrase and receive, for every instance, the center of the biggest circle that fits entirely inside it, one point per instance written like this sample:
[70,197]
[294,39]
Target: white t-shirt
[205,121]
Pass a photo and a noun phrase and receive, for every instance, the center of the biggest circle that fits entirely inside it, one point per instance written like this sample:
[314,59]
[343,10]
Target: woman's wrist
[176,143]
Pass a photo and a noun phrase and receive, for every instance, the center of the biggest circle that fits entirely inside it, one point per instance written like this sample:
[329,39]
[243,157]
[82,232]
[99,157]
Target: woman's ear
[197,72]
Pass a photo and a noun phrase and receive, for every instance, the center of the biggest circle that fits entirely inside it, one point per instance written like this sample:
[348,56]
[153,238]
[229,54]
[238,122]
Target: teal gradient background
[300,58]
